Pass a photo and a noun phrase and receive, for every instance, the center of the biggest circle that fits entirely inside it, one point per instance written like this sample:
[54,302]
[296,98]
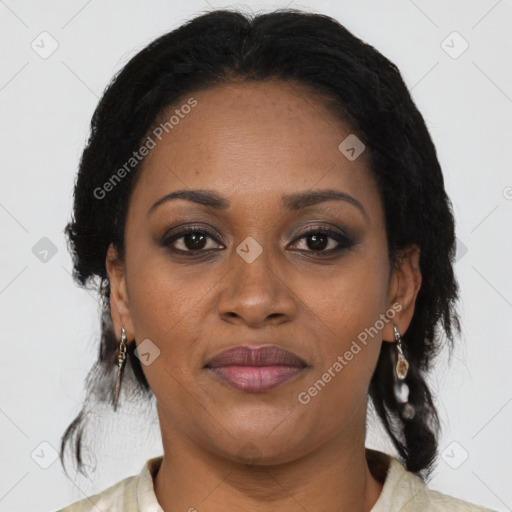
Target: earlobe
[119,304]
[405,285]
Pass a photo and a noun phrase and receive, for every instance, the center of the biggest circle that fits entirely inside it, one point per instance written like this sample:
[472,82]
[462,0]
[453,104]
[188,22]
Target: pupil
[197,240]
[319,242]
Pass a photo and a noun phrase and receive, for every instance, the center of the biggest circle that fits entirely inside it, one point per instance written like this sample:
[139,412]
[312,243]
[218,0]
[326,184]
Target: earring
[402,365]
[401,389]
[121,357]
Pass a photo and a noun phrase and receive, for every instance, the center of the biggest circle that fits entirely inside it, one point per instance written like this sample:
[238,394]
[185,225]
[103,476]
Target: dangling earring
[121,357]
[402,366]
[401,389]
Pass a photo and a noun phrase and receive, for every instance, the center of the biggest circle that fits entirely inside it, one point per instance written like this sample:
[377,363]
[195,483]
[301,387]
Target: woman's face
[252,274]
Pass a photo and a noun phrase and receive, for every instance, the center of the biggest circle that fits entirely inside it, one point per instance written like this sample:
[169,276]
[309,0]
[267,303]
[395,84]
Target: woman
[263,208]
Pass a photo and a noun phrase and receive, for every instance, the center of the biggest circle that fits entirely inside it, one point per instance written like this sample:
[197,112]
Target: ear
[404,286]
[119,304]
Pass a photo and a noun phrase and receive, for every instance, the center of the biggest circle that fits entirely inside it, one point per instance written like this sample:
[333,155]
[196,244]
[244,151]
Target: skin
[225,449]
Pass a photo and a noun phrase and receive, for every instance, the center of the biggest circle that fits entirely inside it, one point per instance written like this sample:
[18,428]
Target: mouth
[255,370]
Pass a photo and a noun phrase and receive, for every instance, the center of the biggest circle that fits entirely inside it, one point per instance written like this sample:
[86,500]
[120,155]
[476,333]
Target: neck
[334,477]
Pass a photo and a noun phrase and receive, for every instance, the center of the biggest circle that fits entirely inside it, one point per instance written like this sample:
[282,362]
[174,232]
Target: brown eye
[194,240]
[190,240]
[317,240]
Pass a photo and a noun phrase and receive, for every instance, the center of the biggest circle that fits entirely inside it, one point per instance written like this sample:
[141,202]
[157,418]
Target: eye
[190,240]
[318,239]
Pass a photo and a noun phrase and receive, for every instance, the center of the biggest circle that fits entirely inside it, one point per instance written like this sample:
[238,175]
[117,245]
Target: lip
[255,355]
[256,369]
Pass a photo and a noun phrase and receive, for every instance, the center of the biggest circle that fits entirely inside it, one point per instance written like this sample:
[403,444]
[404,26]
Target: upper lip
[262,355]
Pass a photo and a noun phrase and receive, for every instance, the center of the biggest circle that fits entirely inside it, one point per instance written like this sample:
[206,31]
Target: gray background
[49,327]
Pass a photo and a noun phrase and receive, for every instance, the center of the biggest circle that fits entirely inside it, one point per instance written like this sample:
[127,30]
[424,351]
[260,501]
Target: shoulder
[438,501]
[422,498]
[131,494]
[407,492]
[120,496]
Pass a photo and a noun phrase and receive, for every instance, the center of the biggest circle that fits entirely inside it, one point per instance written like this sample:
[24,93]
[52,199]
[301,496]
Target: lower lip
[256,379]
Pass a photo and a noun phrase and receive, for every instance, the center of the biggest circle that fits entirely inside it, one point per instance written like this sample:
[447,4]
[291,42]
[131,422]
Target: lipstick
[256,369]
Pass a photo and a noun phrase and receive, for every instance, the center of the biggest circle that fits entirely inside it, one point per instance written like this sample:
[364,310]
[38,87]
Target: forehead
[251,141]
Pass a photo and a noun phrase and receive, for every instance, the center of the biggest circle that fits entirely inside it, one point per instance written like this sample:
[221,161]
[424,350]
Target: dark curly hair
[366,91]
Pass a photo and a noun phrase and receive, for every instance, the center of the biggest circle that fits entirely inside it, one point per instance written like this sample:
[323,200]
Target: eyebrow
[291,202]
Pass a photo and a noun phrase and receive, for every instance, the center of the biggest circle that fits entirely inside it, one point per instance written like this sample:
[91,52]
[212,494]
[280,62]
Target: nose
[257,293]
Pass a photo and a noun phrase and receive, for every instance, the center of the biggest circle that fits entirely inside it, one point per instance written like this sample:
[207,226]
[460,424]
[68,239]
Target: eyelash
[343,241]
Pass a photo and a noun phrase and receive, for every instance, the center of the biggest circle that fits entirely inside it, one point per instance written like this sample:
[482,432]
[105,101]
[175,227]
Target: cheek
[348,299]
[345,309]
[160,303]
[169,305]
[164,311]
[164,297]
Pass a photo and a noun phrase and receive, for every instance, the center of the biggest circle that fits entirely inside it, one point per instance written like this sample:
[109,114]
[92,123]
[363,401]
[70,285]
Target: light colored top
[402,491]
